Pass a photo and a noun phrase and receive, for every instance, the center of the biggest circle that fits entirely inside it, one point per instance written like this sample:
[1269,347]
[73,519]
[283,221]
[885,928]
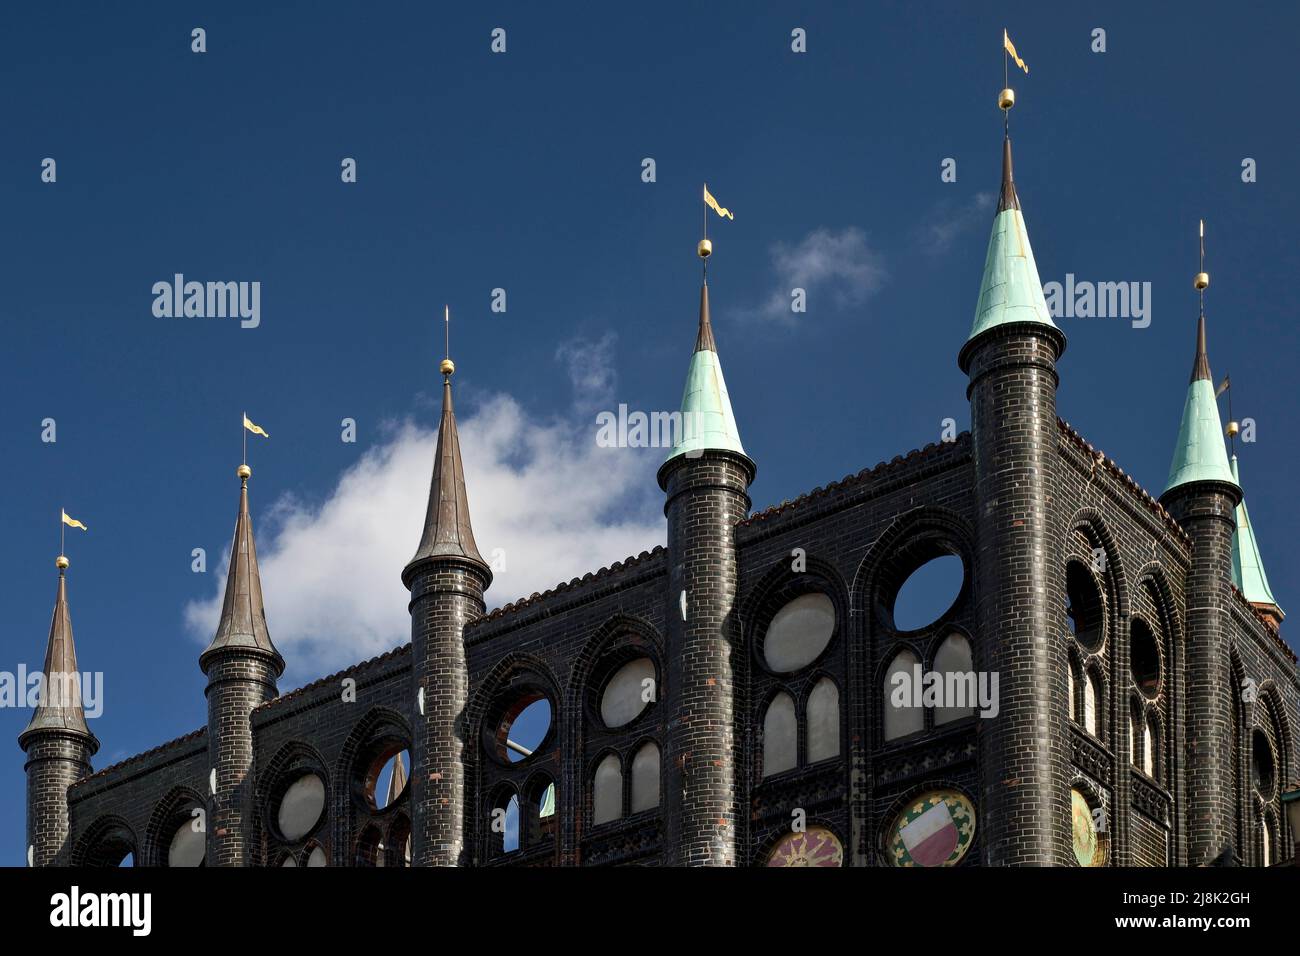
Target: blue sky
[522,171]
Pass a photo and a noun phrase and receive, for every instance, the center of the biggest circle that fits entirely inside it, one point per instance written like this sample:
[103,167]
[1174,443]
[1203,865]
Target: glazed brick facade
[1166,759]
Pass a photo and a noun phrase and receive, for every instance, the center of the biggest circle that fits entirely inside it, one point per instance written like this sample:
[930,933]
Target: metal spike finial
[447,366]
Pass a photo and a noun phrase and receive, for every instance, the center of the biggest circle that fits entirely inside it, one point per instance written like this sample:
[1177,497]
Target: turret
[1010,358]
[1248,565]
[1202,494]
[242,666]
[706,480]
[56,740]
[447,578]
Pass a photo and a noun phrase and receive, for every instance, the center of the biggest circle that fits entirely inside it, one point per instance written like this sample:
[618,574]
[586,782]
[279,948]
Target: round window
[522,727]
[799,633]
[1262,764]
[301,807]
[1144,659]
[628,692]
[928,593]
[188,845]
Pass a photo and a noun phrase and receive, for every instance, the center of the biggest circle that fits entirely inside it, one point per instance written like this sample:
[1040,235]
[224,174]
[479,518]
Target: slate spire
[243,616]
[60,706]
[447,529]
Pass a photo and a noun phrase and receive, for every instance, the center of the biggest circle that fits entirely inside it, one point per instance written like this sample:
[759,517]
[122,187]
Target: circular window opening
[389,774]
[1083,608]
[1144,658]
[928,593]
[188,844]
[523,727]
[1262,764]
[799,633]
[301,807]
[628,692]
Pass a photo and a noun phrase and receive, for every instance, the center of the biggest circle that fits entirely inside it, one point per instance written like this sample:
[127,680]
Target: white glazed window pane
[645,778]
[289,861]
[187,846]
[625,696]
[1090,705]
[301,806]
[1069,679]
[779,735]
[317,857]
[823,721]
[901,718]
[1148,752]
[954,657]
[607,799]
[799,633]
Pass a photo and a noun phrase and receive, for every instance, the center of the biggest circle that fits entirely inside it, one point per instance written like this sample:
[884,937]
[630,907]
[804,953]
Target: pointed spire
[396,780]
[447,529]
[707,421]
[1199,454]
[1247,565]
[1010,290]
[60,704]
[243,616]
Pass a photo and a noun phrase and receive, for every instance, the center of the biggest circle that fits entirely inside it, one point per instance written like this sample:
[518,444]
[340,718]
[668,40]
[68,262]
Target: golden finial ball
[705,248]
[61,562]
[244,472]
[1233,429]
[1202,281]
[1007,99]
[447,366]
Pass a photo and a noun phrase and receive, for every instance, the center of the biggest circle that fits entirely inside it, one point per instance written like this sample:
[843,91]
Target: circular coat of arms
[934,830]
[817,846]
[1088,848]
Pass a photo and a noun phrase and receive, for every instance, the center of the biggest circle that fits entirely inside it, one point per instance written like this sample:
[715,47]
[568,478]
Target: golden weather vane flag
[1011,48]
[72,522]
[255,429]
[713,204]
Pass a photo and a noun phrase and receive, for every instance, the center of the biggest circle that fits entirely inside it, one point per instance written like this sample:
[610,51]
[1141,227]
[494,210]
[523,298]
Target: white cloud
[949,220]
[839,266]
[540,489]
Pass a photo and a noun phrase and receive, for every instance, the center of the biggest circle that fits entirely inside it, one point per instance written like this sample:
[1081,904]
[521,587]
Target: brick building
[745,696]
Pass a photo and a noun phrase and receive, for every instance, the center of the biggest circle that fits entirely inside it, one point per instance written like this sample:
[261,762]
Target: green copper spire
[1199,454]
[1010,290]
[707,420]
[1247,565]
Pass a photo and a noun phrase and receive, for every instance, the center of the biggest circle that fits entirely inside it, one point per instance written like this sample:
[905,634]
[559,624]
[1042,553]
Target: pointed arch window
[1091,705]
[645,778]
[780,733]
[607,791]
[901,718]
[823,715]
[954,658]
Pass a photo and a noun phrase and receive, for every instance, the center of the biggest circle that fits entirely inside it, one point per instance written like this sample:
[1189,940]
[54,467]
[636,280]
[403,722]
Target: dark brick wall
[148,796]
[1023,756]
[706,497]
[55,761]
[860,537]
[238,681]
[446,596]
